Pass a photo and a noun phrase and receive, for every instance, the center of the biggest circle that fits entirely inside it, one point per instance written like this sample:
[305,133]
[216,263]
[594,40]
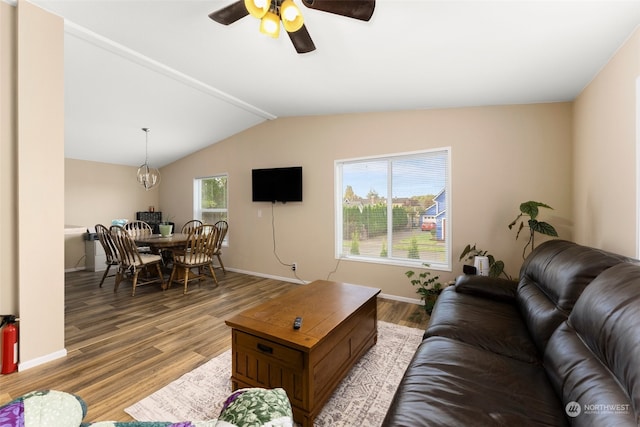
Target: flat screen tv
[277,184]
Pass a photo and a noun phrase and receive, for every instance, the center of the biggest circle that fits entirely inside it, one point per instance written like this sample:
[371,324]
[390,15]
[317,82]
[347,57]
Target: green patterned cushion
[256,407]
[47,408]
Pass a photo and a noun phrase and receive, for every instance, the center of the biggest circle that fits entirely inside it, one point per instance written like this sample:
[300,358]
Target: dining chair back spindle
[132,262]
[110,251]
[189,226]
[139,229]
[222,227]
[197,253]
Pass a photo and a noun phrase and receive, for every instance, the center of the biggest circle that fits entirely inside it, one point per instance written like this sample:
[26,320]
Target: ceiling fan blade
[230,14]
[302,40]
[358,9]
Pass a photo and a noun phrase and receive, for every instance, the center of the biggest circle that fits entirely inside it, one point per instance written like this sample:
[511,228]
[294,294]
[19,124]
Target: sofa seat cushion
[480,321]
[452,383]
[593,360]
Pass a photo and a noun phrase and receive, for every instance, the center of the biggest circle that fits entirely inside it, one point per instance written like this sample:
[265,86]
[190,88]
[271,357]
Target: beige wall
[40,185]
[501,156]
[605,201]
[96,193]
[8,137]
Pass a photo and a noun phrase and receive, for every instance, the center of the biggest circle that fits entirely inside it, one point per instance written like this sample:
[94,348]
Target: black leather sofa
[559,347]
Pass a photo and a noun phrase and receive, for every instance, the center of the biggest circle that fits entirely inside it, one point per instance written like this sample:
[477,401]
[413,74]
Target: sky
[411,176]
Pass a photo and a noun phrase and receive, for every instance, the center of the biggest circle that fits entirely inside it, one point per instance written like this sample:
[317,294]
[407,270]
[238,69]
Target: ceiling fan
[271,12]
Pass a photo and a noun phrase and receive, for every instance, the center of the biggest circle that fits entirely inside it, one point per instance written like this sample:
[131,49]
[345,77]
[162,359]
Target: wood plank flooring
[123,348]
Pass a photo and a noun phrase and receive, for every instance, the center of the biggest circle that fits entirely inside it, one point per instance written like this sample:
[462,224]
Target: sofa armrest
[487,287]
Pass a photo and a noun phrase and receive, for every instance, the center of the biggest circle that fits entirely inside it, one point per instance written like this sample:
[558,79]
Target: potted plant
[531,209]
[496,267]
[428,287]
[527,209]
[166,227]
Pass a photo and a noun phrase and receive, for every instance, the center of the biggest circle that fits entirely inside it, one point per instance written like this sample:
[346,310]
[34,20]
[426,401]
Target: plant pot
[166,229]
[430,301]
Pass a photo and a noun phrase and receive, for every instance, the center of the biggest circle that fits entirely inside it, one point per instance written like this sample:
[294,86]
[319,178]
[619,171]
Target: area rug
[361,399]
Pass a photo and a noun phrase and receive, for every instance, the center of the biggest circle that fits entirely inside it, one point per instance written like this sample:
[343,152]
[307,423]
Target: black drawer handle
[265,348]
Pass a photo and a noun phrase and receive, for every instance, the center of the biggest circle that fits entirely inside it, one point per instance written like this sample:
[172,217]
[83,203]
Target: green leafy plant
[413,251]
[355,243]
[496,267]
[531,209]
[383,251]
[428,287]
[167,219]
[528,209]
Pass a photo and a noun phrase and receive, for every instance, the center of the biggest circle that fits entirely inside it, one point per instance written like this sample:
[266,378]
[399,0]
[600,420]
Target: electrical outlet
[294,266]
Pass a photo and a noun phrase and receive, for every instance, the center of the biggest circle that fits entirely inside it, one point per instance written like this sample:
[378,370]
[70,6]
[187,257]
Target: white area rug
[361,399]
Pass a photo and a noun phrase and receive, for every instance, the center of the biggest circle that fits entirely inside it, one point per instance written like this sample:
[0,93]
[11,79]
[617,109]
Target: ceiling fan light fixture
[270,25]
[257,8]
[291,16]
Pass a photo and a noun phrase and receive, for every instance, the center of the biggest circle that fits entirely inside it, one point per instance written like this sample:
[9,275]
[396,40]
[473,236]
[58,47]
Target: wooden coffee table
[339,325]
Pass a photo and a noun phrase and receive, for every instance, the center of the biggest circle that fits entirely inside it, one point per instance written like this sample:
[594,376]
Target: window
[210,199]
[395,209]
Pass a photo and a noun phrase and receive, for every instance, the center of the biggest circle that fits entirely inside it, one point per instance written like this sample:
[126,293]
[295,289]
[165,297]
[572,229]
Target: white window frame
[338,191]
[638,167]
[197,205]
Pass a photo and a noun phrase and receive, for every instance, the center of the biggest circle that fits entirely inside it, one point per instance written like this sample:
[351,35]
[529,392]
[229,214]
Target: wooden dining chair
[189,226]
[132,262]
[196,254]
[110,251]
[138,229]
[222,227]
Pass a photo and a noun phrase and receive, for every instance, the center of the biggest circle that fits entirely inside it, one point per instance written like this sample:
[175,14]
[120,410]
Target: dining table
[158,242]
[163,245]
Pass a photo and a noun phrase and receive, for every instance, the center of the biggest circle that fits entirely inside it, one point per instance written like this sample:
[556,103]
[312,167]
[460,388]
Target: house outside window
[395,209]
[211,196]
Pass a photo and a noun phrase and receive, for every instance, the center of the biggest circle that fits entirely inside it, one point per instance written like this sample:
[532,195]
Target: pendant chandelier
[271,12]
[148,177]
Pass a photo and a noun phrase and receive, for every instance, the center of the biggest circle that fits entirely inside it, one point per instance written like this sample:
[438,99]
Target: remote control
[297,323]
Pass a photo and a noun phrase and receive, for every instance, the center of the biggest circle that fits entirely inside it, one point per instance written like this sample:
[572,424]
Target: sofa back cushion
[552,278]
[593,358]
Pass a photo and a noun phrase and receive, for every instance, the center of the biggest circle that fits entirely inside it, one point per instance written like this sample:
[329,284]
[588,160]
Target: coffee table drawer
[269,350]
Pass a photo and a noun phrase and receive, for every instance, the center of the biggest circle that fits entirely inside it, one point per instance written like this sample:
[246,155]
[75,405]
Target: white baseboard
[269,276]
[402,299]
[296,281]
[22,366]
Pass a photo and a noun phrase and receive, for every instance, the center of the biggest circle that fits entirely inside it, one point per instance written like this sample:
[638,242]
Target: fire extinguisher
[9,345]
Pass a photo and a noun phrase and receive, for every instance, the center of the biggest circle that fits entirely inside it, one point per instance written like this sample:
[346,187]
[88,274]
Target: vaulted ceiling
[165,65]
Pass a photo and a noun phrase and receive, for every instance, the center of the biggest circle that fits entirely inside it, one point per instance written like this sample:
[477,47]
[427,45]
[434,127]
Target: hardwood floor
[123,348]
